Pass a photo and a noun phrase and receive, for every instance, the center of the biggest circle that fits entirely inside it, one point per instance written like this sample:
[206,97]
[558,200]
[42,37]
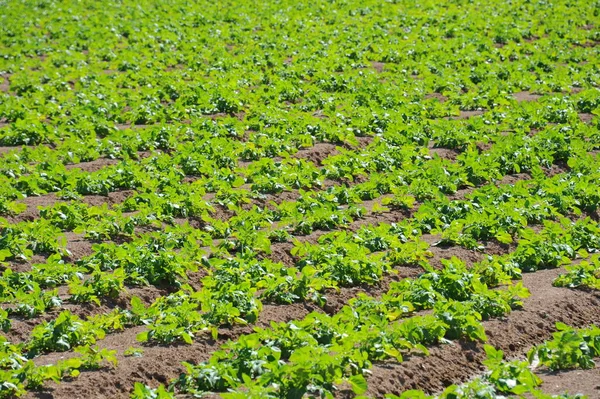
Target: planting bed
[284,199]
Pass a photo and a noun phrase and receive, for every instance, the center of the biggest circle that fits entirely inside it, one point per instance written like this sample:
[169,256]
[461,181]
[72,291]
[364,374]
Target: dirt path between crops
[586,382]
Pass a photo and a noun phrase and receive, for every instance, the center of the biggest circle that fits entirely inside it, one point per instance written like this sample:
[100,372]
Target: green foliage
[141,391]
[581,275]
[133,352]
[256,123]
[62,334]
[569,348]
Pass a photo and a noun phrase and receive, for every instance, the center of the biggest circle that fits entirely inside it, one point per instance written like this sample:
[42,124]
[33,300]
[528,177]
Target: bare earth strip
[586,382]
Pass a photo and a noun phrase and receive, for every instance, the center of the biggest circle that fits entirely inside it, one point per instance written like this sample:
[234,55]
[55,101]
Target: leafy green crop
[569,348]
[62,334]
[237,156]
[581,275]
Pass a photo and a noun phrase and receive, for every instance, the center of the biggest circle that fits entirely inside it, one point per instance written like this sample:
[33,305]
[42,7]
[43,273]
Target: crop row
[258,363]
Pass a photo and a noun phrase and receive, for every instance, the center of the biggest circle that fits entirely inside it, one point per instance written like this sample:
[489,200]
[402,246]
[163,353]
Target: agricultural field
[280,199]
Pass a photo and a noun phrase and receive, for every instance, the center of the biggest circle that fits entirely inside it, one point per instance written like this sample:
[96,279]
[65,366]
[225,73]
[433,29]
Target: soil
[124,126]
[6,150]
[437,96]
[378,66]
[33,203]
[115,197]
[586,118]
[445,153]
[280,252]
[526,96]
[586,382]
[78,246]
[470,114]
[25,265]
[93,166]
[317,153]
[440,253]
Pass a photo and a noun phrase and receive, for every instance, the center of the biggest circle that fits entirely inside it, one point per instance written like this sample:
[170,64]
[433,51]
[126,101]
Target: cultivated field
[284,199]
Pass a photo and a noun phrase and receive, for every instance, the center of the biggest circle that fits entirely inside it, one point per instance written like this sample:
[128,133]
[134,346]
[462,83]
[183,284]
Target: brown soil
[364,141]
[437,96]
[378,66]
[455,363]
[319,114]
[34,203]
[465,115]
[392,216]
[113,198]
[585,382]
[587,44]
[554,170]
[78,246]
[440,253]
[277,199]
[25,265]
[93,166]
[124,126]
[5,150]
[526,96]
[484,146]
[470,114]
[445,153]
[512,179]
[317,153]
[280,252]
[586,118]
